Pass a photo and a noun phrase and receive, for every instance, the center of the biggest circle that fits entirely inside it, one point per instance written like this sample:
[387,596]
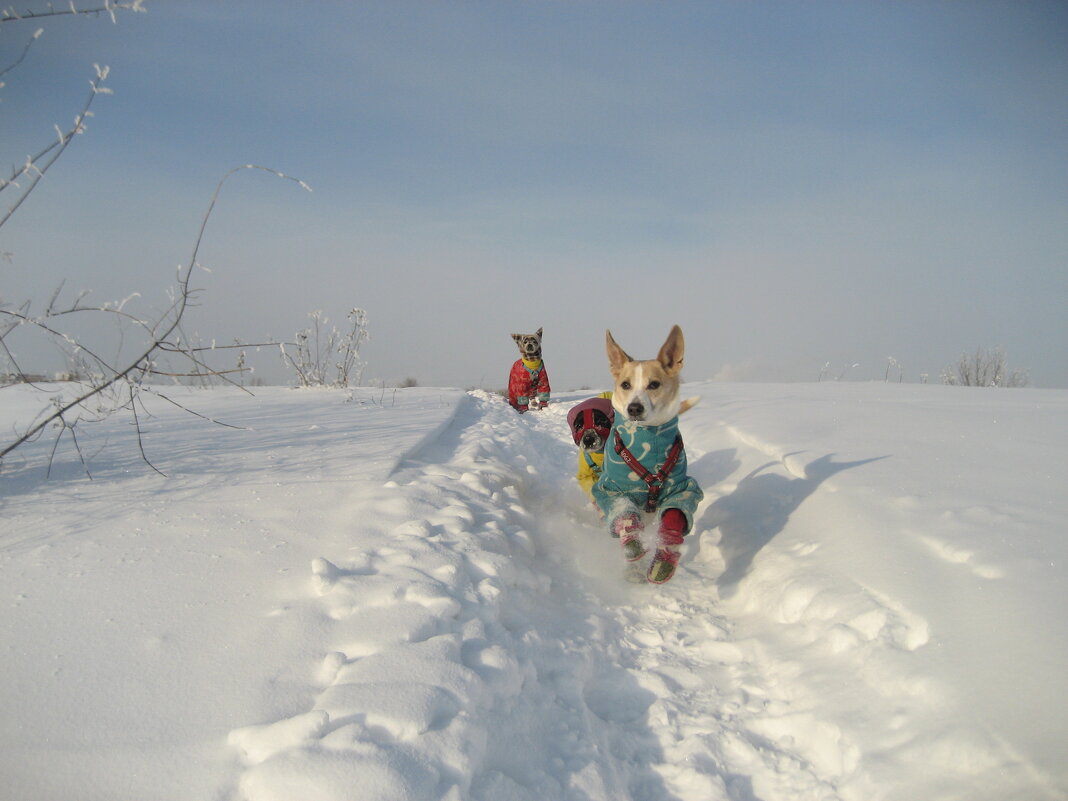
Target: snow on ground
[405,595]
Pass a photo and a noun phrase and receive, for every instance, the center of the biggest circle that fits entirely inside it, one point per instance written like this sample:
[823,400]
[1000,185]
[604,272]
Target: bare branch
[110,7]
[22,55]
[134,401]
[173,402]
[142,364]
[37,166]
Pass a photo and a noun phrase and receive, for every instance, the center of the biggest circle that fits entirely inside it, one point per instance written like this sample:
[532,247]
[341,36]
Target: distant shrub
[983,368]
[324,355]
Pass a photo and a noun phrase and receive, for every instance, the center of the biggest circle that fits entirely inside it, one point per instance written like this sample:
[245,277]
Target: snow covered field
[377,596]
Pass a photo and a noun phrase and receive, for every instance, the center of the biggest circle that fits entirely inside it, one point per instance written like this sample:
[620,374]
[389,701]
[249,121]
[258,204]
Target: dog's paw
[633,548]
[663,565]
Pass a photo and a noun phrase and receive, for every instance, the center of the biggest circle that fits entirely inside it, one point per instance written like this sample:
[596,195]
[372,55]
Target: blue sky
[793,183]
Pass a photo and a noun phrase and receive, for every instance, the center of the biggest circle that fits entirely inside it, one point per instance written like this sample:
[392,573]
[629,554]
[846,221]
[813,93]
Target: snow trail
[486,647]
[468,671]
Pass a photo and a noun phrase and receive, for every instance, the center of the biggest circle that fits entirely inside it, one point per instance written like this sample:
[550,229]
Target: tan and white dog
[647,392]
[645,471]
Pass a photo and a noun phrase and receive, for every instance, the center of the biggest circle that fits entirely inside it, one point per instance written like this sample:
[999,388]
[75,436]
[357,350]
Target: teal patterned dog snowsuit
[621,489]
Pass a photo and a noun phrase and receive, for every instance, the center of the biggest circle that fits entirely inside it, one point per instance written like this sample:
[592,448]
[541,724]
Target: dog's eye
[654,385]
[625,385]
[578,424]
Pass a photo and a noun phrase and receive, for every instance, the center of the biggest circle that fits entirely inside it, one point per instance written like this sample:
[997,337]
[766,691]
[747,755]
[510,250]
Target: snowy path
[487,641]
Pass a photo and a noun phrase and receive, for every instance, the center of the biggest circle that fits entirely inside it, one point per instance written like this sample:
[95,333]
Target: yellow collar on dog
[532,364]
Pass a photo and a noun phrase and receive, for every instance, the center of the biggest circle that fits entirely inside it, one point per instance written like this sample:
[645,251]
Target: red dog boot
[628,527]
[672,530]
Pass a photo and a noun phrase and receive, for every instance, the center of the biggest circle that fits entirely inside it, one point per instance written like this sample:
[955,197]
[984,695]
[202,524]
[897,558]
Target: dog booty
[672,527]
[664,563]
[669,538]
[629,528]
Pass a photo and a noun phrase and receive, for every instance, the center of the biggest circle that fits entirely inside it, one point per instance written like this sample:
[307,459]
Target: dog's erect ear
[670,356]
[688,404]
[517,337]
[617,357]
[538,334]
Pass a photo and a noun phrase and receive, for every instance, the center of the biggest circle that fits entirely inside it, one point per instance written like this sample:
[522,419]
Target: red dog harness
[654,480]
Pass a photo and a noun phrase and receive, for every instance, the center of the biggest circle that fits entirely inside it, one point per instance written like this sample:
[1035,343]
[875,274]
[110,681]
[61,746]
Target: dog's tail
[688,404]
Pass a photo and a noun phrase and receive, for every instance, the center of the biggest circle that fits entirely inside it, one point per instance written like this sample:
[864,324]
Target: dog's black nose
[635,410]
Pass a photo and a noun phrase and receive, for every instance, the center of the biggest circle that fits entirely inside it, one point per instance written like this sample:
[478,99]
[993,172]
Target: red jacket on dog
[528,385]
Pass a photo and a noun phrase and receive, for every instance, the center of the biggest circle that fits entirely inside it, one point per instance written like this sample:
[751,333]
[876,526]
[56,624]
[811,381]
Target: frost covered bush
[324,355]
[984,368]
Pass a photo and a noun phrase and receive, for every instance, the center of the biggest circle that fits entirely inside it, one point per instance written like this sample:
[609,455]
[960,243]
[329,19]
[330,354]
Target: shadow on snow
[759,508]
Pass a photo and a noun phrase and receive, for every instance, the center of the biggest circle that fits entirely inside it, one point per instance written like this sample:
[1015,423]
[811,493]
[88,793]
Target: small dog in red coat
[528,383]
